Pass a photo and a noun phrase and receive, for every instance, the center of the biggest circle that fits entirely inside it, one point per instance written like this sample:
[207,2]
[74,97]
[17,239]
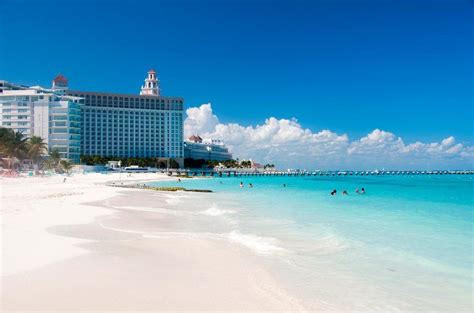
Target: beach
[286,244]
[83,245]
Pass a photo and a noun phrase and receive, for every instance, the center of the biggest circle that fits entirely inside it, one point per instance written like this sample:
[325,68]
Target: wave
[215,211]
[261,245]
[174,199]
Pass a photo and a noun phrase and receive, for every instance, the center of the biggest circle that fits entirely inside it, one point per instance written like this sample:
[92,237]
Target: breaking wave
[215,211]
[261,245]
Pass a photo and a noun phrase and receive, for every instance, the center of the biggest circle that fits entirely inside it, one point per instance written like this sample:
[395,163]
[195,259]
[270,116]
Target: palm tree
[66,165]
[12,144]
[54,157]
[36,148]
[49,164]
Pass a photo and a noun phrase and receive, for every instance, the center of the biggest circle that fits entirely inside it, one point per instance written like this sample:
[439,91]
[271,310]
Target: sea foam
[215,211]
[261,245]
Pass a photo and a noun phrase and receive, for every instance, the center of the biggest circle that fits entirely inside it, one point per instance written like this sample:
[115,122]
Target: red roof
[152,71]
[60,79]
[195,138]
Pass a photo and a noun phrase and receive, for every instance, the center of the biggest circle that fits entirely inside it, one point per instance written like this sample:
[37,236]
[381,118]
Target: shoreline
[88,236]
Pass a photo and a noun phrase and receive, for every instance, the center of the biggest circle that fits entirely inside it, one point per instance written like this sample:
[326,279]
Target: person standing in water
[250,185]
[241,185]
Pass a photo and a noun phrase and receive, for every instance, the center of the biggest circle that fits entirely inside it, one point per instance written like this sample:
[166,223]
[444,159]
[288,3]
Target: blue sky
[348,66]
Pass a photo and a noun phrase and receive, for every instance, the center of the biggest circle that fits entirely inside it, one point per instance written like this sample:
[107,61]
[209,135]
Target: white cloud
[378,141]
[286,143]
[200,120]
[448,141]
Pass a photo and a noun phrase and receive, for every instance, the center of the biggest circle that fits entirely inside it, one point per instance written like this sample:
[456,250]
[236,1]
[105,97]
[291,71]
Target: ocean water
[406,245]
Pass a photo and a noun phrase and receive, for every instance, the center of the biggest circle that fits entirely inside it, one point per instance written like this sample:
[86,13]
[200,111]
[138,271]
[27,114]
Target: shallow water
[404,245]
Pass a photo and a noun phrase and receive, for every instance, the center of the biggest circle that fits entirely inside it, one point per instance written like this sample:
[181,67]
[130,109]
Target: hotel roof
[60,79]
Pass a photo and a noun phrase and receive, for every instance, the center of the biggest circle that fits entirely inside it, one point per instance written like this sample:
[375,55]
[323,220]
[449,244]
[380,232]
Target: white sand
[64,248]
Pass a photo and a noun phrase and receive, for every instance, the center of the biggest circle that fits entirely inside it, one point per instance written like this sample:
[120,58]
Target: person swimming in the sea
[241,185]
[344,193]
[250,185]
[362,190]
[284,185]
[334,192]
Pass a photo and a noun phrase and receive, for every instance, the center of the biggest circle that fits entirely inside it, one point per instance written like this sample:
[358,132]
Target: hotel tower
[123,125]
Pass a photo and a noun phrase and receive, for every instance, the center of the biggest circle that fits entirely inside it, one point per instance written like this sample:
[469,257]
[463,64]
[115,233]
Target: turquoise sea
[404,245]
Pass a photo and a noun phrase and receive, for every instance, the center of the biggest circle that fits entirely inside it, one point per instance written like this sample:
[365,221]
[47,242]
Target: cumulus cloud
[378,141]
[200,120]
[286,143]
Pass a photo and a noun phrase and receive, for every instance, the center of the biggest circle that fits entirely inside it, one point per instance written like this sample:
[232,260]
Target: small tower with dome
[151,85]
[59,83]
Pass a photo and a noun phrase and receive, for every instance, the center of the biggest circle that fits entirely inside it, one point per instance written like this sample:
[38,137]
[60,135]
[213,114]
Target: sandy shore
[82,245]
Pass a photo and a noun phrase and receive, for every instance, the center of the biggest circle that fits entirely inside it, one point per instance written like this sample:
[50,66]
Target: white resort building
[46,113]
[195,148]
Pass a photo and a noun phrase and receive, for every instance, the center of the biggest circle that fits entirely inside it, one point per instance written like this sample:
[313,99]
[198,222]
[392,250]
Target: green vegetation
[53,162]
[162,188]
[66,166]
[54,157]
[231,164]
[36,148]
[246,164]
[15,147]
[167,188]
[202,164]
[142,162]
[173,163]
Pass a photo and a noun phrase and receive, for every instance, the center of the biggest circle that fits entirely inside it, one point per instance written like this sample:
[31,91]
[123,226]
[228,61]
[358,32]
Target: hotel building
[195,148]
[123,125]
[97,123]
[46,113]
